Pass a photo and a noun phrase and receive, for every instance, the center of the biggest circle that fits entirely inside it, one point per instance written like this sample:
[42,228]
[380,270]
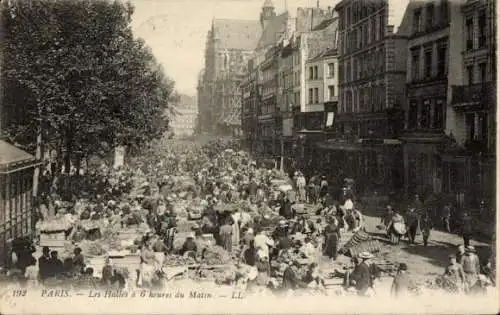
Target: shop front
[16,196]
[376,166]
[422,158]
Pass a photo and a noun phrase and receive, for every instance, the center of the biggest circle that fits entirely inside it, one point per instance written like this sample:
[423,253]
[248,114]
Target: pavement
[424,263]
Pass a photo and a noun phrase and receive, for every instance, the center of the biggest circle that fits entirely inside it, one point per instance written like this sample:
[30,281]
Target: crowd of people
[281,228]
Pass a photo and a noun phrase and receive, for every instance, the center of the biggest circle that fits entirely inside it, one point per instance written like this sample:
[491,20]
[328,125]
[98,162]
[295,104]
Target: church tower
[267,13]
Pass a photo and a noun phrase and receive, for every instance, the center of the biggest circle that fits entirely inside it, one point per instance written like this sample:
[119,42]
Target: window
[348,71]
[429,21]
[311,73]
[444,11]
[441,60]
[415,64]
[438,114]
[354,69]
[469,26]
[482,71]
[417,15]
[470,126]
[315,72]
[316,96]
[373,29]
[331,92]
[428,64]
[382,25]
[311,96]
[470,75]
[381,60]
[366,37]
[348,107]
[348,17]
[331,70]
[482,29]
[425,114]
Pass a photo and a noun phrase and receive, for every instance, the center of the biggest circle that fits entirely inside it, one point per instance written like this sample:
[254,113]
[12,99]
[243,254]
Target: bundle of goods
[446,283]
[60,223]
[184,225]
[92,248]
[135,217]
[360,242]
[176,260]
[214,255]
[278,182]
[195,212]
[226,207]
[301,208]
[181,209]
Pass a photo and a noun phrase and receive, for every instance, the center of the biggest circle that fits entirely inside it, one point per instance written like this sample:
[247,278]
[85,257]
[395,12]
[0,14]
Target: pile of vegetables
[92,248]
[214,255]
[175,260]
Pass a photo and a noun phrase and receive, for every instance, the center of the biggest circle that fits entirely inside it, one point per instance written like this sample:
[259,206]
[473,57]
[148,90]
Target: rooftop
[11,155]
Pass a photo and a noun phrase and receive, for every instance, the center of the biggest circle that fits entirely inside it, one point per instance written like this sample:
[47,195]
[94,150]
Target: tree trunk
[38,156]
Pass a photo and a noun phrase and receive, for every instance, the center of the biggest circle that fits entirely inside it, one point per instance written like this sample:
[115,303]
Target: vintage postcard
[248,156]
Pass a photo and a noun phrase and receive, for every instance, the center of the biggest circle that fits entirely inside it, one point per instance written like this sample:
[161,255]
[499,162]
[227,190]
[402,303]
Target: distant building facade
[229,45]
[184,122]
[274,89]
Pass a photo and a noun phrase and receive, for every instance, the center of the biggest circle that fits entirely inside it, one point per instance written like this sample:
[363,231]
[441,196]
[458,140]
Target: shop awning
[12,158]
[359,145]
[350,147]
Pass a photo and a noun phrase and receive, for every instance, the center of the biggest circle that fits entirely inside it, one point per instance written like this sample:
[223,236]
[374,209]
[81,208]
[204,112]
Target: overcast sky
[176,30]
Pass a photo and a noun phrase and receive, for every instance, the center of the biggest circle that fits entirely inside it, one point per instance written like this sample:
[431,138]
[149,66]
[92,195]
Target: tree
[73,69]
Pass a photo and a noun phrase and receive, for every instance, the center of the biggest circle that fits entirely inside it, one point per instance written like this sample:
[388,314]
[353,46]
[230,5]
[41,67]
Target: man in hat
[301,187]
[466,228]
[470,264]
[446,216]
[44,263]
[412,222]
[361,276]
[323,187]
[426,227]
[402,283]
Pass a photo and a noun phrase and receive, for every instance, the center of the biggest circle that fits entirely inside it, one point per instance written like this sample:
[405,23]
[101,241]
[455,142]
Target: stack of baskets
[360,242]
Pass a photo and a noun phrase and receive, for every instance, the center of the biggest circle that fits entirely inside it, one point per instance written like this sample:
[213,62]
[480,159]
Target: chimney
[317,4]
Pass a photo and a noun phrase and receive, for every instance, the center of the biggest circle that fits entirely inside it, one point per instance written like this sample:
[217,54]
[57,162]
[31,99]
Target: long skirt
[170,236]
[226,242]
[236,233]
[146,274]
[331,245]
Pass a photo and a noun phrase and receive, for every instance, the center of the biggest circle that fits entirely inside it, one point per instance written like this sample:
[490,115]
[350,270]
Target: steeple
[267,13]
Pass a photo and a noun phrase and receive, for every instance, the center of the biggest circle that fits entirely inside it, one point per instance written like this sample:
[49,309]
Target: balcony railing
[472,93]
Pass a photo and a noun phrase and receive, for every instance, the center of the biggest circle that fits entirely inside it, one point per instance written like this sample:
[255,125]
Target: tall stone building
[372,66]
[468,170]
[449,137]
[229,45]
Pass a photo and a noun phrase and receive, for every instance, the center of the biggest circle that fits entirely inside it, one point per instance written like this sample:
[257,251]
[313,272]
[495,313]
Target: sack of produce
[214,255]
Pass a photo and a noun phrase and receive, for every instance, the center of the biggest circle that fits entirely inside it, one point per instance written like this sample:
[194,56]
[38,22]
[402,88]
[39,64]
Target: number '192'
[20,292]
